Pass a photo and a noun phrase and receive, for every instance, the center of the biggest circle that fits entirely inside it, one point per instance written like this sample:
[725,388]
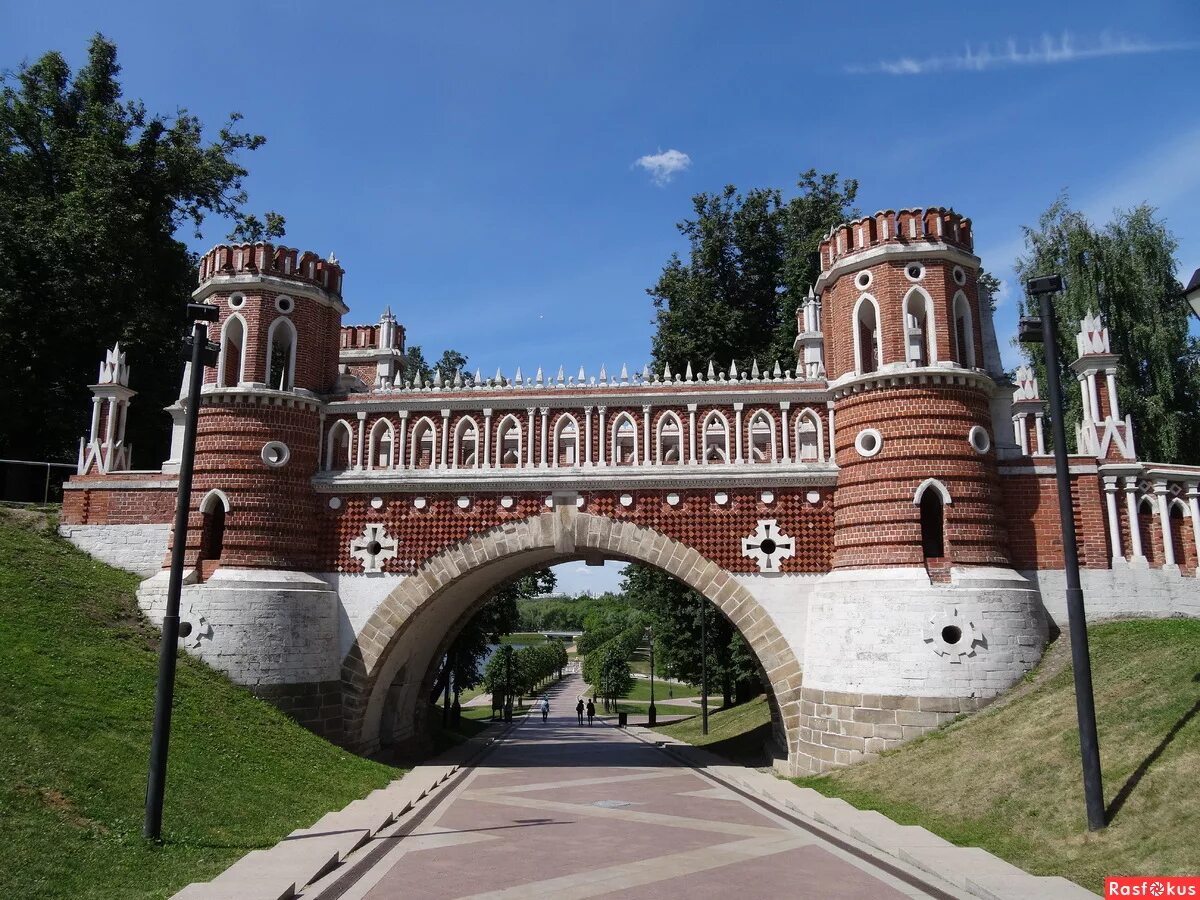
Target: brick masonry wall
[712,530]
[890,286]
[117,504]
[1030,504]
[925,435]
[270,524]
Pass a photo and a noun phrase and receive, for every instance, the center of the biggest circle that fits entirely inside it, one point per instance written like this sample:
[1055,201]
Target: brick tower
[258,443]
[920,549]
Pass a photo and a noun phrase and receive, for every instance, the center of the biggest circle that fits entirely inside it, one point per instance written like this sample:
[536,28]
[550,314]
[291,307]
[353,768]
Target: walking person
[545,709]
[591,712]
[579,710]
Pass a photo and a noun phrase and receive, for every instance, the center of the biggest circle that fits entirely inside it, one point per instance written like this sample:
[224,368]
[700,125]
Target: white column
[321,444]
[646,434]
[95,418]
[362,427]
[1094,395]
[832,444]
[487,438]
[529,436]
[603,433]
[784,406]
[587,428]
[1114,407]
[1193,498]
[1131,513]
[1041,433]
[1164,521]
[737,429]
[445,435]
[692,433]
[1085,399]
[1114,524]
[401,458]
[110,427]
[1020,433]
[545,411]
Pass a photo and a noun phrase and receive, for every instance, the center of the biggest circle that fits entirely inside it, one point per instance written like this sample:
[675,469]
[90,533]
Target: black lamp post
[203,353]
[1045,331]
[703,668]
[653,716]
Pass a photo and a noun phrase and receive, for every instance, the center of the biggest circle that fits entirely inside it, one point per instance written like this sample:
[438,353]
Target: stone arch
[400,640]
[867,328]
[461,459]
[381,449]
[337,446]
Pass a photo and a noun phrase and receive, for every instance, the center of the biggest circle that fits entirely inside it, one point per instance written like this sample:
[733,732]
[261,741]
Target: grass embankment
[523,638]
[1009,780]
[77,673]
[738,733]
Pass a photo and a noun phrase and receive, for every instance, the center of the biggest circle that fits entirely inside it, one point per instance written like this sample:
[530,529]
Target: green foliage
[676,613]
[499,616]
[751,261]
[451,362]
[1125,271]
[569,613]
[599,662]
[613,678]
[92,190]
[250,228]
[78,665]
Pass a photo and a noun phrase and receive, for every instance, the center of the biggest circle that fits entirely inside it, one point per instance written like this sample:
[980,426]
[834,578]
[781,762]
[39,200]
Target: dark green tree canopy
[93,188]
[1124,270]
[752,259]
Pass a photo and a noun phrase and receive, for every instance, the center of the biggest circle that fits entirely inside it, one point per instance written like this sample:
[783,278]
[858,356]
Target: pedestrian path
[567,811]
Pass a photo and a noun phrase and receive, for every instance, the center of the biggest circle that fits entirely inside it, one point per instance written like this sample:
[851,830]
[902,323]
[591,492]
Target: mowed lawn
[77,674]
[1010,781]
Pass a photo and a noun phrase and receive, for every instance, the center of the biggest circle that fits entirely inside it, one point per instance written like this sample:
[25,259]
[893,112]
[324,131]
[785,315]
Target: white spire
[687,375]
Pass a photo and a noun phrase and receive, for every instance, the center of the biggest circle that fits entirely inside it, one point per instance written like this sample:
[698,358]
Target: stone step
[207,891]
[296,861]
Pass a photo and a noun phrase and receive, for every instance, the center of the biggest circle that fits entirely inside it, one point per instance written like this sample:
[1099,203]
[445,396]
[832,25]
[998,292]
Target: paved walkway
[563,811]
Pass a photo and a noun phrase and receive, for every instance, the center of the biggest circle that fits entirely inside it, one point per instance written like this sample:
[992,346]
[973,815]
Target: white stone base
[259,626]
[785,598]
[139,549]
[878,631]
[1128,591]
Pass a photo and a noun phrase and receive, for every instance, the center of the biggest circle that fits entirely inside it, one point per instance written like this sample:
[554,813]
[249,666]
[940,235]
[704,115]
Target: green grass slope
[1009,780]
[77,672]
[738,733]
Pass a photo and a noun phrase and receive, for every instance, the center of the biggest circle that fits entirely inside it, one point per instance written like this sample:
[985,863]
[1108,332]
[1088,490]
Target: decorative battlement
[934,224]
[263,258]
[734,375]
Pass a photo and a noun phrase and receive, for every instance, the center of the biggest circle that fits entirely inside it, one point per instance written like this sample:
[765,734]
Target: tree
[498,616]
[92,190]
[752,258]
[1126,272]
[451,363]
[677,612]
[250,228]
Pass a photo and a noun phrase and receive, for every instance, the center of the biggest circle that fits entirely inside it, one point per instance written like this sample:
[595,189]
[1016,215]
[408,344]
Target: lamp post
[653,716]
[1045,331]
[203,353]
[1191,293]
[703,668]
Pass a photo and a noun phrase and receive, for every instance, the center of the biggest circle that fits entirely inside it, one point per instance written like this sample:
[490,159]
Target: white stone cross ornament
[768,546]
[373,548]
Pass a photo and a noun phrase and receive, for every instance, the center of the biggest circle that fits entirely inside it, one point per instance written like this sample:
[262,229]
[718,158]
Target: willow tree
[1126,271]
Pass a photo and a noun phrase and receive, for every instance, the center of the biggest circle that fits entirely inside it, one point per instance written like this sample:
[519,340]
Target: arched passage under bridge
[384,672]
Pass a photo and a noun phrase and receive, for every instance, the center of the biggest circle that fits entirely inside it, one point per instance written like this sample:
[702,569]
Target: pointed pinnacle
[712,372]
[667,372]
[688,376]
[624,374]
[560,375]
[581,377]
[519,379]
[733,373]
[754,370]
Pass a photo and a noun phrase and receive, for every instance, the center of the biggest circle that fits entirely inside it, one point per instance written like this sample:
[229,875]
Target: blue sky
[474,165]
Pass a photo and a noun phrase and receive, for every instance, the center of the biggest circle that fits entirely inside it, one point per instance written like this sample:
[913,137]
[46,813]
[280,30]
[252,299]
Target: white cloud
[664,165]
[1049,50]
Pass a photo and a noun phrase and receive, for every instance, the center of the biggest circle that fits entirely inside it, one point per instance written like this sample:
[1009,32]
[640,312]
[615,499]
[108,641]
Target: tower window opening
[716,440]
[964,331]
[867,329]
[933,525]
[212,531]
[762,439]
[338,458]
[807,442]
[918,330]
[625,443]
[281,355]
[669,441]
